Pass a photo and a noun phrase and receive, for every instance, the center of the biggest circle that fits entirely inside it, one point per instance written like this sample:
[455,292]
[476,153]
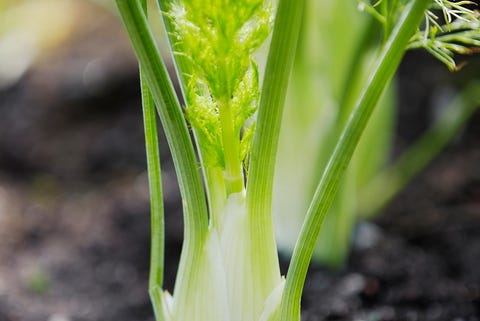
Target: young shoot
[229,269]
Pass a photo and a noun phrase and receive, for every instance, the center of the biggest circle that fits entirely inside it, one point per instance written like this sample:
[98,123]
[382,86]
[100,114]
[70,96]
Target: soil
[74,211]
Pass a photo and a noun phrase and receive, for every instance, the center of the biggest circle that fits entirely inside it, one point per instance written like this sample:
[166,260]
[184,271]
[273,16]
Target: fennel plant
[229,268]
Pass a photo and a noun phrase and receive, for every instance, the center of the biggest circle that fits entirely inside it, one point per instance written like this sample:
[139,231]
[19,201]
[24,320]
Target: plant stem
[265,141]
[217,196]
[325,194]
[157,256]
[178,137]
[156,201]
[233,169]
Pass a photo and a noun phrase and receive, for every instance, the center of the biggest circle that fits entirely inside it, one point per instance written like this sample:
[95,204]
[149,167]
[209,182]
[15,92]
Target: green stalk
[392,180]
[325,194]
[279,66]
[264,146]
[157,247]
[233,166]
[216,192]
[157,259]
[176,132]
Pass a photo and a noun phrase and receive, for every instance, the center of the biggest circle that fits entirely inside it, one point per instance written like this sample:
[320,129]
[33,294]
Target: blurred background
[74,210]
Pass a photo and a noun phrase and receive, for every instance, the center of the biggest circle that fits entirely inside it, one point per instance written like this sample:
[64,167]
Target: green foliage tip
[218,38]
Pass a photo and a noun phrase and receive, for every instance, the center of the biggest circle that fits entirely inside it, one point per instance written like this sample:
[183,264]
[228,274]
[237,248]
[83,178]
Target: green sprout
[229,268]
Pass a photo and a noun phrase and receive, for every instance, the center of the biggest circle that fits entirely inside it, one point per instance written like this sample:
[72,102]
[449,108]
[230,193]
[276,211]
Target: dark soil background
[74,211]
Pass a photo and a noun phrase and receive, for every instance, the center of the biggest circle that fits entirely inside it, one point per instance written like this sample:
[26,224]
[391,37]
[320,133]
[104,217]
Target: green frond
[218,38]
[245,99]
[458,34]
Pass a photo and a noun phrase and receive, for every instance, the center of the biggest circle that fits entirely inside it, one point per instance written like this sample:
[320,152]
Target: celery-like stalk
[229,267]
